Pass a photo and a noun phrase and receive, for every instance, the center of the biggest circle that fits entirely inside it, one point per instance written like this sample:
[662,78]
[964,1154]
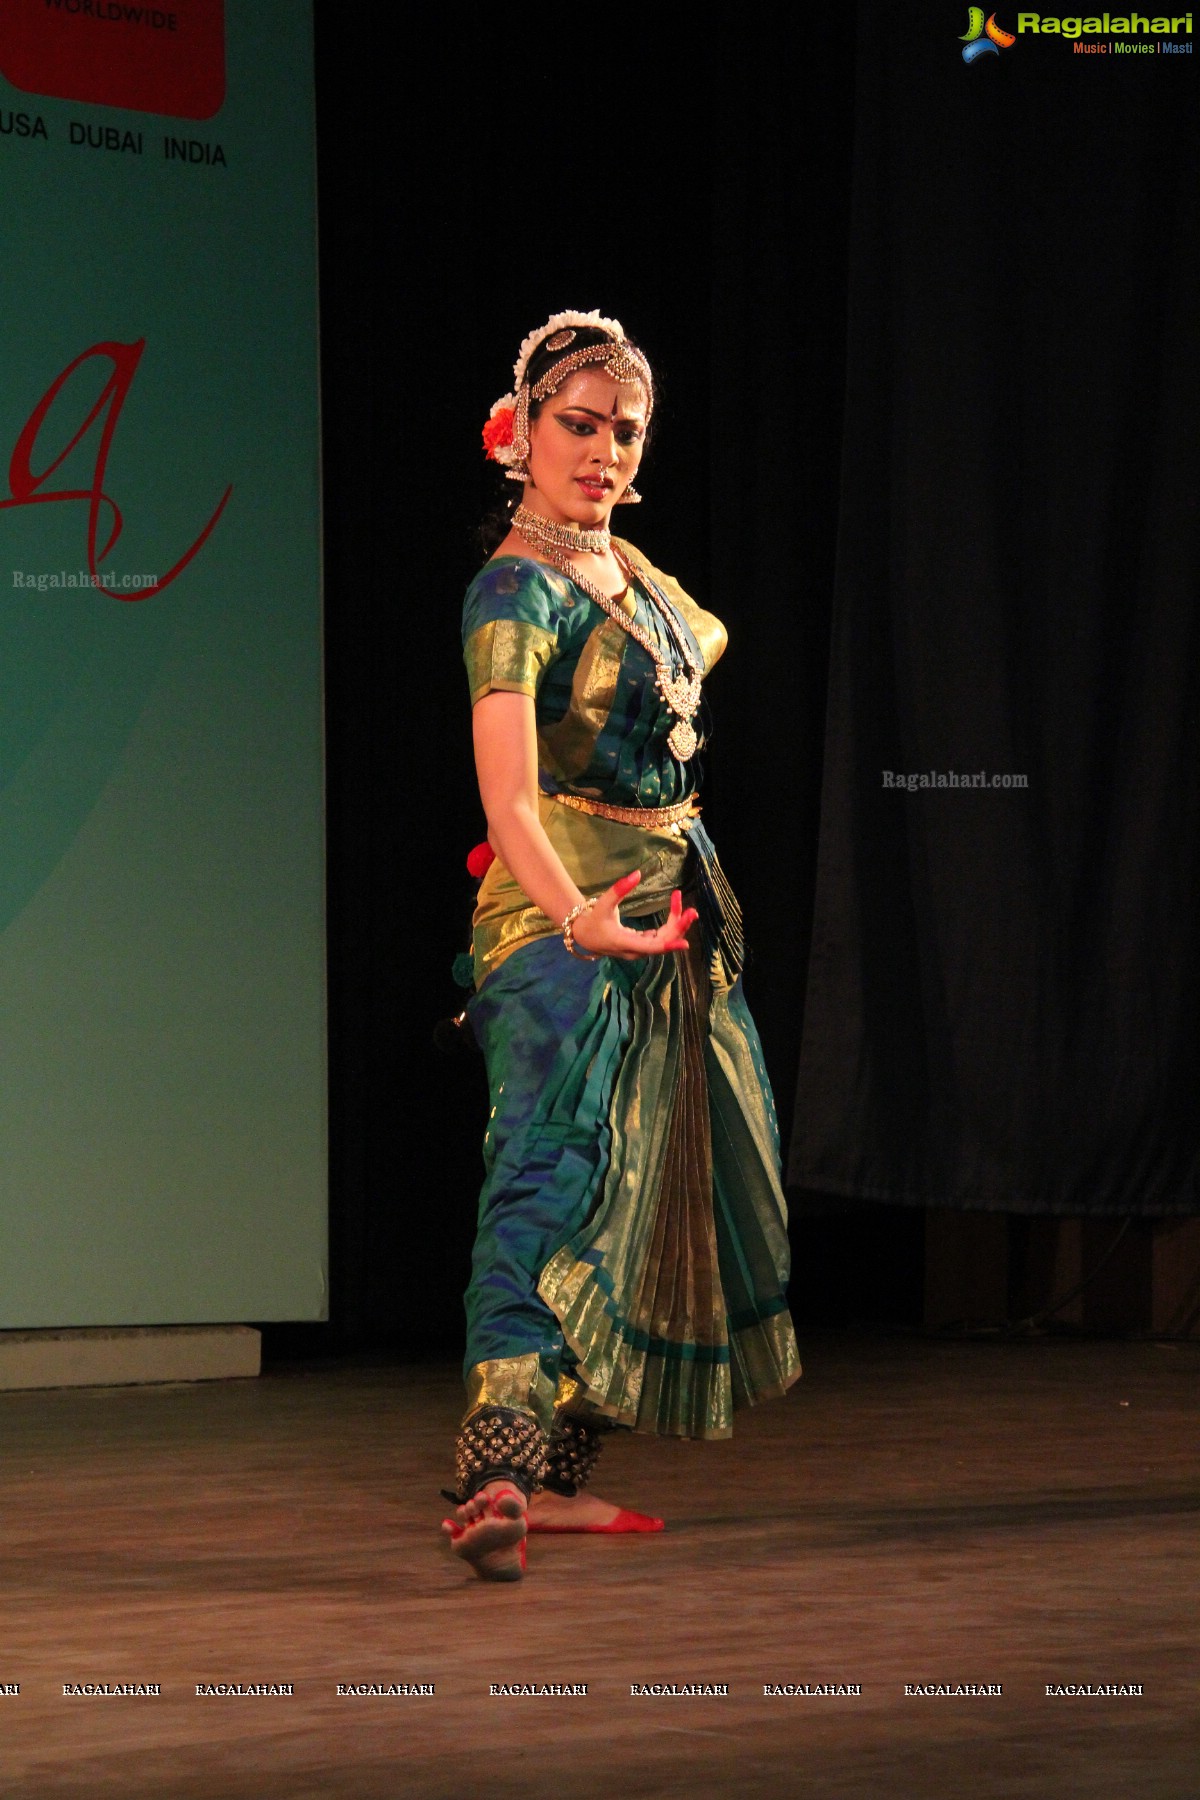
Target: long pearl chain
[681,693]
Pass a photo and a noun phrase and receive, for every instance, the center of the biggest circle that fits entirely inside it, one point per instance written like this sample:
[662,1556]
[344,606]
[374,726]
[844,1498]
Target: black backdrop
[469,185]
[1002,1003]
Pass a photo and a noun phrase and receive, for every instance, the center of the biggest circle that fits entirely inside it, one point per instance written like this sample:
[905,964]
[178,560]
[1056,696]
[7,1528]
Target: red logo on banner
[28,487]
[159,59]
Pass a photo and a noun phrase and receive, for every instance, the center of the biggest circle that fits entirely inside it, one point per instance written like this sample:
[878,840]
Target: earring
[630,497]
[518,467]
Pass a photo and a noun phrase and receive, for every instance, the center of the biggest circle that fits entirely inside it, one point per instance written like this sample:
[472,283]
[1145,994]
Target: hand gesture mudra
[598,930]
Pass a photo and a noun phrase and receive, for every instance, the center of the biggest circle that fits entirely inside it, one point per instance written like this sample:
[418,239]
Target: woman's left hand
[599,930]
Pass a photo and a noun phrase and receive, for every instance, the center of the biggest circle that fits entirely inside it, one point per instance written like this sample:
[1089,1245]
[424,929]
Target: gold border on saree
[650,818]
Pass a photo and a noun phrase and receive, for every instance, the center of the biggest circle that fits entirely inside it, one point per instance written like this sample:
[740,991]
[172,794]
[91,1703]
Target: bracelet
[568,931]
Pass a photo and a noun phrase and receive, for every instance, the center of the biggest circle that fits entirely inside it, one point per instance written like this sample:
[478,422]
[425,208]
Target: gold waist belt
[650,818]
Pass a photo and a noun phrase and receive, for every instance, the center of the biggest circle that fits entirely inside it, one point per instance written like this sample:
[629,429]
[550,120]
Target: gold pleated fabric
[641,1294]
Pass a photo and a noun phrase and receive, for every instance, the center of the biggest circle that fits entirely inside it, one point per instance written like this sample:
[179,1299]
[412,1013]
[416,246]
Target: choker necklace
[681,692]
[545,533]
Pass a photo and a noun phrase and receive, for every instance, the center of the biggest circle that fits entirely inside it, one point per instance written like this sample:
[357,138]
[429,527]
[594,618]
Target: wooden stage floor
[1019,1515]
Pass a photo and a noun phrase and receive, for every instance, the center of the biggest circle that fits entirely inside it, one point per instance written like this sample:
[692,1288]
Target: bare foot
[549,1511]
[488,1532]
[578,1510]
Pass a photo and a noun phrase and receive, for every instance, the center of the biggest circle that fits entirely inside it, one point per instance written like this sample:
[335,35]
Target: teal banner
[162,1061]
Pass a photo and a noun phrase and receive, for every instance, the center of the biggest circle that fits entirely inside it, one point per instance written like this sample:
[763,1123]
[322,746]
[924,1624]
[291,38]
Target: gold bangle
[568,931]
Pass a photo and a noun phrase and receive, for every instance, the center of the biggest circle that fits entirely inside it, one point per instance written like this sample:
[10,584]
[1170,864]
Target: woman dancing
[631,1256]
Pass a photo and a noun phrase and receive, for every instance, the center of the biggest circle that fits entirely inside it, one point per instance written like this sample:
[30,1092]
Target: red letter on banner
[26,487]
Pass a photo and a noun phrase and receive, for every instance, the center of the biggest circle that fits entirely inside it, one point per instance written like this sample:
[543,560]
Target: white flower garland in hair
[560,322]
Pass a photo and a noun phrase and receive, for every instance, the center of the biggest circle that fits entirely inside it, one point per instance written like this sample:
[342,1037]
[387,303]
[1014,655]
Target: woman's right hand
[600,932]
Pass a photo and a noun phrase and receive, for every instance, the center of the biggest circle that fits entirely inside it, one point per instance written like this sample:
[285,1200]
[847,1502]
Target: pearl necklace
[545,532]
[680,692]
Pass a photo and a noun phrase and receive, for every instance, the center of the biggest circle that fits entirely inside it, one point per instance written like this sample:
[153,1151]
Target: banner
[162,1078]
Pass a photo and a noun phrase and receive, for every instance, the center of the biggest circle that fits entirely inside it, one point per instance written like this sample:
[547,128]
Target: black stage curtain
[1002,991]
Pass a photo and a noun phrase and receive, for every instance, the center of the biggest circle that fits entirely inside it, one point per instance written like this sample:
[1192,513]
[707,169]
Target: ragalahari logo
[982,39]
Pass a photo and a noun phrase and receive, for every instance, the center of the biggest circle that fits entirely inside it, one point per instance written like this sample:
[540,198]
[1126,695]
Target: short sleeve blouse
[602,725]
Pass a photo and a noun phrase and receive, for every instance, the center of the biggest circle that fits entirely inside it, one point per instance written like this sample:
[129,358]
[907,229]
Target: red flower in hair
[480,861]
[498,432]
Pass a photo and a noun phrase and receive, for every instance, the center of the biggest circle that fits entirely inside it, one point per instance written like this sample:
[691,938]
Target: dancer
[631,1256]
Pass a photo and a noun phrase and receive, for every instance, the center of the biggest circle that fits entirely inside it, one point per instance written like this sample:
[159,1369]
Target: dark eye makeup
[583,427]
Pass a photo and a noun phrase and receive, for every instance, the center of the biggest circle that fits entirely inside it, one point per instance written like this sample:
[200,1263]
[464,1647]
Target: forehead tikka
[618,359]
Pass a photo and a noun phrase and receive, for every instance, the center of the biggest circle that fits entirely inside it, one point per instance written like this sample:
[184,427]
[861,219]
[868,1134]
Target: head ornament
[506,434]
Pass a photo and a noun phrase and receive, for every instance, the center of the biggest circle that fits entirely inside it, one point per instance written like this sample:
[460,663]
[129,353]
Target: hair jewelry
[506,434]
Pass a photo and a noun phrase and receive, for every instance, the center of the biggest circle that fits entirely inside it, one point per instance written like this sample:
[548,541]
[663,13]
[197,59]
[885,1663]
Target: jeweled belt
[650,818]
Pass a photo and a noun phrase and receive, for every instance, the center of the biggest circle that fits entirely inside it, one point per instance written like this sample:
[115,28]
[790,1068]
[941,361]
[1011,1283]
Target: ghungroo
[572,1453]
[499,1444]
